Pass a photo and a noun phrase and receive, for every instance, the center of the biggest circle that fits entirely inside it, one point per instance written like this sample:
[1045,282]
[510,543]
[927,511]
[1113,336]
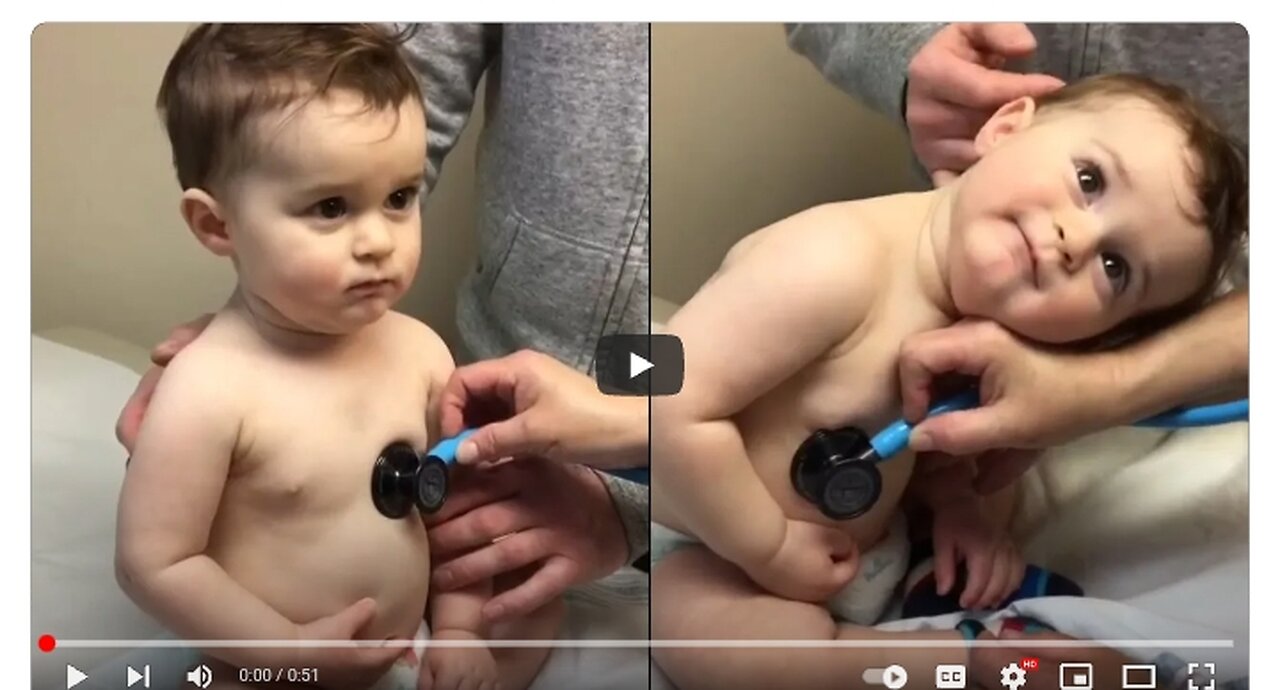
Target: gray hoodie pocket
[543,290]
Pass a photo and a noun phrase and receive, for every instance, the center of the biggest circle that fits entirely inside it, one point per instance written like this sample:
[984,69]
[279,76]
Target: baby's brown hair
[1220,178]
[224,76]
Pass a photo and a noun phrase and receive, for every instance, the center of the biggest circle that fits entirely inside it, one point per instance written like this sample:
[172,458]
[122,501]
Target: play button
[74,676]
[894,677]
[639,364]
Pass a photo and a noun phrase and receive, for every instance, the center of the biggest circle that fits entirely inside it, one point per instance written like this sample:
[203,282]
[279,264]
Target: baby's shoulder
[835,238]
[417,341]
[207,373]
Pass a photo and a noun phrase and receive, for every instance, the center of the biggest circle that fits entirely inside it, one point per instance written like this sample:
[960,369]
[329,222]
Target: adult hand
[135,407]
[955,82]
[513,514]
[1031,397]
[530,404]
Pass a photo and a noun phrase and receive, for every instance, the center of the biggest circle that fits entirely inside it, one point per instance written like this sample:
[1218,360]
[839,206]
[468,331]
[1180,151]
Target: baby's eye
[401,198]
[1090,178]
[332,208]
[1116,270]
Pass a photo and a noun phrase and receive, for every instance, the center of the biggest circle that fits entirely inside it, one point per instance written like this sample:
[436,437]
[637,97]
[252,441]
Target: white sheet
[77,469]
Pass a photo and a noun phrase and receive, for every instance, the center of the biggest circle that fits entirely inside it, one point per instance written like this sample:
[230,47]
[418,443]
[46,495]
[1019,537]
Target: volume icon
[200,676]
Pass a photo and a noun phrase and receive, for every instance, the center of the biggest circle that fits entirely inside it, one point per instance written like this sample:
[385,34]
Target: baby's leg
[699,596]
[518,666]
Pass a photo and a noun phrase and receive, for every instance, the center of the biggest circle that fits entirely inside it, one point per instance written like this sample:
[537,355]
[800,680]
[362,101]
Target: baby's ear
[1012,117]
[205,218]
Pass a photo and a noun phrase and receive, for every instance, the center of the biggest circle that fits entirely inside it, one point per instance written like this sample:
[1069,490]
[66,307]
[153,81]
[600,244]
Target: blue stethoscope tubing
[894,438]
[447,451]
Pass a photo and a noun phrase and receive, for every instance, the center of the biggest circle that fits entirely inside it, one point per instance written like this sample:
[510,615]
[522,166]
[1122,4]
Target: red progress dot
[47,643]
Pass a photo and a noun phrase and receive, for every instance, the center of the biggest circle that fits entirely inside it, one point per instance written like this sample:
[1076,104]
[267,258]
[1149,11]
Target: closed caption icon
[949,677]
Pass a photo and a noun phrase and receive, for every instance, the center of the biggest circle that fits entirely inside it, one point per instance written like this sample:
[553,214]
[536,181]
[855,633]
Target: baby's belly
[772,444]
[311,564]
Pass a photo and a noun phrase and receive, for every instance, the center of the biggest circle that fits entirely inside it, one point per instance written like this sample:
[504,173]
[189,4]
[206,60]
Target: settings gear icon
[1013,676]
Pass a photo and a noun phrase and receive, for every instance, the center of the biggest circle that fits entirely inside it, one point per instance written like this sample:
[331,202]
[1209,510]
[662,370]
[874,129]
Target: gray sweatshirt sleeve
[867,61]
[449,59]
[632,502]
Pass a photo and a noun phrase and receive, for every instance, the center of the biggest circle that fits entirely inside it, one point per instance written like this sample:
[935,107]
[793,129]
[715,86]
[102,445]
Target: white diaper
[403,675]
[864,600]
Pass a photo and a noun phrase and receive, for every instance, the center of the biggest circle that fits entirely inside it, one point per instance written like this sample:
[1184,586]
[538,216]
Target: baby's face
[325,223]
[1085,218]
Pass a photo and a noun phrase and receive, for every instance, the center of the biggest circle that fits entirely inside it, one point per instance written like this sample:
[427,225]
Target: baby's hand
[345,667]
[994,567]
[812,563]
[458,668]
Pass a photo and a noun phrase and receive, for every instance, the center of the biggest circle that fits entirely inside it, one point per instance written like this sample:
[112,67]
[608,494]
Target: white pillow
[76,472]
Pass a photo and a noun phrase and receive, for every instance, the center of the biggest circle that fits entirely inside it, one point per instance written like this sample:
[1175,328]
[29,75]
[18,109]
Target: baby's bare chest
[311,433]
[858,385]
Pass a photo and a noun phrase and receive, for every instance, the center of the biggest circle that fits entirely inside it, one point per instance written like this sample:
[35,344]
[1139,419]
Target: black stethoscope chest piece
[402,479]
[836,469]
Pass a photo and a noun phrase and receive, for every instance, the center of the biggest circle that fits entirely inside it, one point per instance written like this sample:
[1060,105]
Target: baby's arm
[964,531]
[167,506]
[453,614]
[784,298]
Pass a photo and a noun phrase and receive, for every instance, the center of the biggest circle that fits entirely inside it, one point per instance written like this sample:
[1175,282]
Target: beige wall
[746,132]
[109,251]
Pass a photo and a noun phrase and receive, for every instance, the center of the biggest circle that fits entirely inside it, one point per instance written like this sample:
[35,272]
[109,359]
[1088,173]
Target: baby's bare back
[296,524]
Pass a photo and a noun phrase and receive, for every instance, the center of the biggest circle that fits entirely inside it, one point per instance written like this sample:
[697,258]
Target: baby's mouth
[1031,255]
[372,285]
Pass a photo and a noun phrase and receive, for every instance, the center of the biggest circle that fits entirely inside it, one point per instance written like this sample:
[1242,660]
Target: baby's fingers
[1017,571]
[998,584]
[978,573]
[944,565]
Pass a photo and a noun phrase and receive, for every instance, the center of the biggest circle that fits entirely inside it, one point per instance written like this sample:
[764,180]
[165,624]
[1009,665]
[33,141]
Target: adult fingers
[480,384]
[543,586]
[976,86]
[130,420]
[1007,39]
[478,487]
[966,431]
[480,526]
[928,355]
[515,551]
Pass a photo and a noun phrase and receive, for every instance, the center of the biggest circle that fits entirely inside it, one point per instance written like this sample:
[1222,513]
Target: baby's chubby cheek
[314,278]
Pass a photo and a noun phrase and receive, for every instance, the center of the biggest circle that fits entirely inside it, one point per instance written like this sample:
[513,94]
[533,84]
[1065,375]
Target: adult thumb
[509,437]
[963,432]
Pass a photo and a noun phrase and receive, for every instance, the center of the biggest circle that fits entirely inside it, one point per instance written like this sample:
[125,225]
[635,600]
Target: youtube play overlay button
[639,364]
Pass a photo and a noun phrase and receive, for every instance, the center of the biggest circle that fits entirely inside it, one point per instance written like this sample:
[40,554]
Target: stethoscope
[836,469]
[402,479]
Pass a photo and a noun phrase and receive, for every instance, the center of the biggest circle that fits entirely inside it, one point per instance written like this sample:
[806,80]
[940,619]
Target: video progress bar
[650,644]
